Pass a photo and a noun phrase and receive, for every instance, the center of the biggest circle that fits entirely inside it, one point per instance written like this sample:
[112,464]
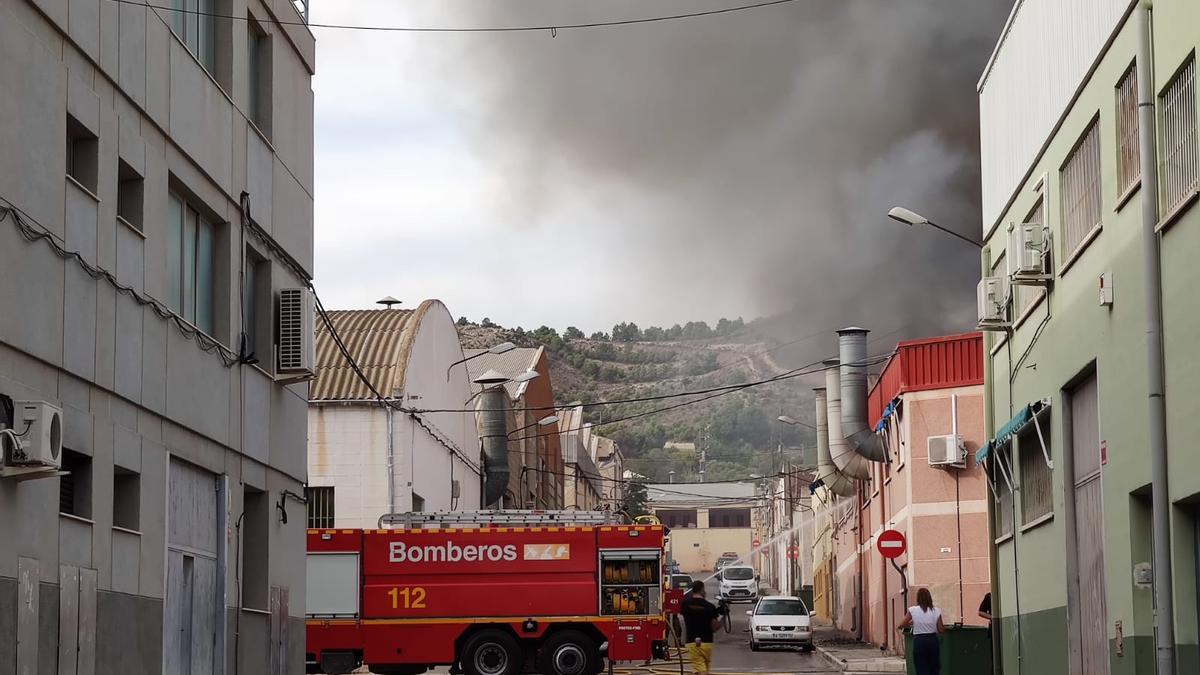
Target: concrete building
[706,520]
[1066,367]
[785,535]
[583,486]
[929,391]
[364,459]
[155,197]
[610,462]
[535,459]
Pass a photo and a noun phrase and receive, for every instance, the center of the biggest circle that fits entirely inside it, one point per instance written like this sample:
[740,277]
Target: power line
[551,28]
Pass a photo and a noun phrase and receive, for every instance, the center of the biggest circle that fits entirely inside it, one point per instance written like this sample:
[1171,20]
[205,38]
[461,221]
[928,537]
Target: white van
[738,583]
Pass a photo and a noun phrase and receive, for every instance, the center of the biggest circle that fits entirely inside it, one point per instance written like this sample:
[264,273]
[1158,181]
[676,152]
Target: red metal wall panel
[930,363]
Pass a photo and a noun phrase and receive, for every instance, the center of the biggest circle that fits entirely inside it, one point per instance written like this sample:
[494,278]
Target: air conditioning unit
[295,331]
[947,451]
[38,426]
[992,303]
[1028,249]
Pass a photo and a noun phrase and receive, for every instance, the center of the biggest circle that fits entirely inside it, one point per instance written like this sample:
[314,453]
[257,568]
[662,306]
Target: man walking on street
[700,618]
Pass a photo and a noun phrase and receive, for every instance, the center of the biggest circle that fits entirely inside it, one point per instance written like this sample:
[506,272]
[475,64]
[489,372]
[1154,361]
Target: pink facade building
[928,405]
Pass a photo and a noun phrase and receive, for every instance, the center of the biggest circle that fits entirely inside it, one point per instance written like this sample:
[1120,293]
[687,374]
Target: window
[677,518]
[1128,160]
[1081,190]
[129,195]
[725,518]
[195,24]
[1179,162]
[83,152]
[127,498]
[1037,498]
[259,76]
[257,308]
[1001,476]
[320,507]
[75,488]
[1028,295]
[191,238]
[418,503]
[256,520]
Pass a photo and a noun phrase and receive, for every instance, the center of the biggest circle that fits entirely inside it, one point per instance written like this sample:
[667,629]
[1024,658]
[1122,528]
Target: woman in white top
[926,623]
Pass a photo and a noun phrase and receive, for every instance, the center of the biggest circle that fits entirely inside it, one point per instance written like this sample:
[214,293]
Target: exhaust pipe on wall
[834,481]
[852,465]
[852,347]
[493,435]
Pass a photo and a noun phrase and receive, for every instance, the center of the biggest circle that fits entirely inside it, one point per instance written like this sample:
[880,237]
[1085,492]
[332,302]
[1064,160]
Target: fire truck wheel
[491,652]
[569,652]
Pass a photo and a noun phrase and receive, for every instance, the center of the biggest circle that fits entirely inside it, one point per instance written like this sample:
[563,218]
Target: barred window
[1081,190]
[1037,497]
[1179,161]
[320,507]
[1129,168]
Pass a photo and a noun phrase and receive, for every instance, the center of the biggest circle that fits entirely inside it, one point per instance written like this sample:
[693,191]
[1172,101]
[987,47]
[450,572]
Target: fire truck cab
[486,593]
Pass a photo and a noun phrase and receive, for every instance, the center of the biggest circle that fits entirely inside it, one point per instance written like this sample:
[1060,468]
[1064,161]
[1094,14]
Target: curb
[831,659]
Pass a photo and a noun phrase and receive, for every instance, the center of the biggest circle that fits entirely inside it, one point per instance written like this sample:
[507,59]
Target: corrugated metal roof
[510,364]
[929,363]
[378,339]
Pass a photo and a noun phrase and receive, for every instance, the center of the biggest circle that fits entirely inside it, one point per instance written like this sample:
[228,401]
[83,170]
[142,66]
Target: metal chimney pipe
[854,466]
[835,481]
[493,435]
[852,347]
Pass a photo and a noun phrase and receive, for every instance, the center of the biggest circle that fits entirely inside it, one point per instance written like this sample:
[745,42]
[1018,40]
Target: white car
[737,583]
[780,620]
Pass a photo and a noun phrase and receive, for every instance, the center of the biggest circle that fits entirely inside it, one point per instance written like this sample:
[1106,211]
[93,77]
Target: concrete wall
[135,391]
[1079,336]
[348,442]
[697,549]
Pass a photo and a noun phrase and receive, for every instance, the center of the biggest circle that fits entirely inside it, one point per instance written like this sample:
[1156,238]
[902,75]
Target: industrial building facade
[1066,296]
[156,172]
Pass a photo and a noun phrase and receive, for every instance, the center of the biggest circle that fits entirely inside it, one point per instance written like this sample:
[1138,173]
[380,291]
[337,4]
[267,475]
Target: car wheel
[754,646]
[491,652]
[569,652]
[807,649]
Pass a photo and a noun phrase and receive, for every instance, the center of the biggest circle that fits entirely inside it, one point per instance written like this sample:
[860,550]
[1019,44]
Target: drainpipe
[1164,611]
[391,461]
[862,439]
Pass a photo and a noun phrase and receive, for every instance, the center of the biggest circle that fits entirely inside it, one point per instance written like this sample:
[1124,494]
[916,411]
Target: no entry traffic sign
[891,544]
[793,552]
[756,543]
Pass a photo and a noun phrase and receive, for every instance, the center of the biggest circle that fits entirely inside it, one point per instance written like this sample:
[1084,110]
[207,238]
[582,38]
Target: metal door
[193,599]
[1090,618]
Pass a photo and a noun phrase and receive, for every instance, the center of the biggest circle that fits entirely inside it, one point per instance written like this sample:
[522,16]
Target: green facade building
[1064,301]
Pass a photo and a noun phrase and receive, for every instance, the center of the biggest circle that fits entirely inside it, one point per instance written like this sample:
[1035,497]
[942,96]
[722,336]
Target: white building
[365,459]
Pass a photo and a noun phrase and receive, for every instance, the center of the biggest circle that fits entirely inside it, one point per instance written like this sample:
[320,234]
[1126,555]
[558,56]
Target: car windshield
[781,608]
[681,581]
[738,573]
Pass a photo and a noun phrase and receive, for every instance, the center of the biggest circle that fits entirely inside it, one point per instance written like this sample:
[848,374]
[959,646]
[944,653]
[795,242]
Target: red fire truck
[487,593]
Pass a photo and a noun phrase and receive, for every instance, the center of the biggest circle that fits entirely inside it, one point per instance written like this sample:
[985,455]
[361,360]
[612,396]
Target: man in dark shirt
[700,619]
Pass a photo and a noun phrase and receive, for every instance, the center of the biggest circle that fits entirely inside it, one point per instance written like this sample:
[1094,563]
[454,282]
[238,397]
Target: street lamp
[493,378]
[910,218]
[495,349]
[795,422]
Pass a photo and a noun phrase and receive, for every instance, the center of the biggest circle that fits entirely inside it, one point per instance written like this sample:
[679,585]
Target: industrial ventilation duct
[493,434]
[852,347]
[833,480]
[852,465]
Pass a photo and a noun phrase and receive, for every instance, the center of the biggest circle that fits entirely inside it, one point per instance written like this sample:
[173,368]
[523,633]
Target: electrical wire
[551,28]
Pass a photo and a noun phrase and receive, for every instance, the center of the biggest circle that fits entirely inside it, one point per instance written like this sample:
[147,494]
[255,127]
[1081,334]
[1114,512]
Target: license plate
[782,636]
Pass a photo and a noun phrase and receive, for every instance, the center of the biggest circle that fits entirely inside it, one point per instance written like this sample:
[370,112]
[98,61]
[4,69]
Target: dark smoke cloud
[752,156]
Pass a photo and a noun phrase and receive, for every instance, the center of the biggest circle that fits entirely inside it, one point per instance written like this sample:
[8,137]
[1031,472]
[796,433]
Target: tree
[600,336]
[573,333]
[626,332]
[487,323]
[634,500]
[654,334]
[462,321]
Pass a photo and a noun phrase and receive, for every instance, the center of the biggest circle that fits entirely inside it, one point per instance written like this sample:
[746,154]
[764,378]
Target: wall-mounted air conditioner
[992,303]
[37,429]
[947,451]
[1029,254]
[295,350]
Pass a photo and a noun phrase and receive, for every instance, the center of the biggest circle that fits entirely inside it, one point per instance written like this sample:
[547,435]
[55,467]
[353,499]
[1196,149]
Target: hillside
[738,429]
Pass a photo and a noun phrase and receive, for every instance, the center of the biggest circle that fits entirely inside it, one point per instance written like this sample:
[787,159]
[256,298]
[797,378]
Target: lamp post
[495,349]
[910,218]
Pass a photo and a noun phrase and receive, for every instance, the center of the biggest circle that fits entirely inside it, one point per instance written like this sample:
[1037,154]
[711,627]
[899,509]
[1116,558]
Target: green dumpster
[966,650]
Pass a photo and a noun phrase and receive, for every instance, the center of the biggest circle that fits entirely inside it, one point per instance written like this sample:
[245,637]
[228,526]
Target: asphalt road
[732,653]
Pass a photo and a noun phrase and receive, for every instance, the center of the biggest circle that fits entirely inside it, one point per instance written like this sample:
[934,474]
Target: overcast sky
[736,165]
